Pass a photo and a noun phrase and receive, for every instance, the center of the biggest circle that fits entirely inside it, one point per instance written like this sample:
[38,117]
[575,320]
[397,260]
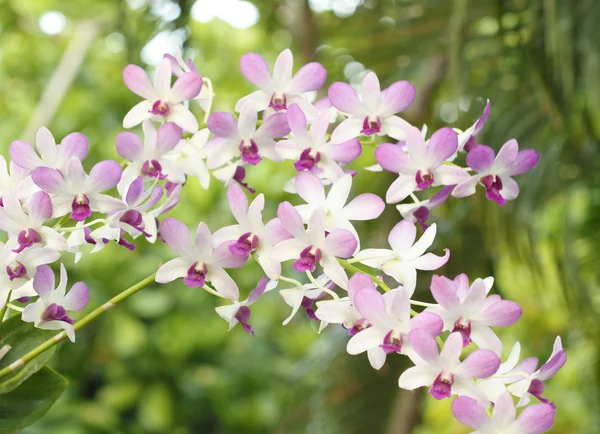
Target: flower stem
[5,307]
[378,281]
[78,324]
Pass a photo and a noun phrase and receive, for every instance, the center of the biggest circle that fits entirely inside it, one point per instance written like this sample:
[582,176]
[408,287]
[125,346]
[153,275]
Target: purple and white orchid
[161,101]
[50,311]
[418,212]
[495,174]
[282,89]
[374,112]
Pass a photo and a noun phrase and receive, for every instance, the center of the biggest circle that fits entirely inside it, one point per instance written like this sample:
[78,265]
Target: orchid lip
[308,159]
[152,169]
[16,270]
[371,125]
[278,101]
[463,326]
[27,238]
[249,150]
[391,344]
[239,176]
[421,215]
[442,386]
[493,186]
[55,312]
[308,259]
[160,108]
[424,179]
[243,315]
[80,208]
[308,304]
[245,244]
[358,326]
[196,275]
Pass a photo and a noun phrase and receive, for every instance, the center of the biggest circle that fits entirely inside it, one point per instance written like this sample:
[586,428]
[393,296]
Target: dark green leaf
[31,401]
[22,338]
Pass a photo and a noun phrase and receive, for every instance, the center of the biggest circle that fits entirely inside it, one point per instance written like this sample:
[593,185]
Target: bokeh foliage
[164,363]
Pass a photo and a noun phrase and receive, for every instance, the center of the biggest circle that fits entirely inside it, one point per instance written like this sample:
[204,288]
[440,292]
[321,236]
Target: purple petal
[341,243]
[551,367]
[169,134]
[442,145]
[104,175]
[344,98]
[481,121]
[370,304]
[358,282]
[502,313]
[222,125]
[137,81]
[40,206]
[23,155]
[255,69]
[224,258]
[176,235]
[444,291]
[275,126]
[393,159]
[424,344]
[291,219]
[480,158]
[308,78]
[402,236]
[469,412]
[43,281]
[428,321]
[73,145]
[296,120]
[507,155]
[187,86]
[346,152]
[129,146]
[525,161]
[480,364]
[48,179]
[259,290]
[238,202]
[77,298]
[536,419]
[398,97]
[440,197]
[135,191]
[367,206]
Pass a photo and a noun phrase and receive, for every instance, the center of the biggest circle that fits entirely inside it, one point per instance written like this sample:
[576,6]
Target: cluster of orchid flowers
[48,201]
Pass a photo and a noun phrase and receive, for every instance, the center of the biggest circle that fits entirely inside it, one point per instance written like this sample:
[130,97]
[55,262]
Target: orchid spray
[51,207]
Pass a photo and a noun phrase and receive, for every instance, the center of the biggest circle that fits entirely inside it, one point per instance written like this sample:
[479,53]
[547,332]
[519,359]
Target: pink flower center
[243,315]
[160,108]
[463,326]
[391,343]
[245,244]
[249,151]
[424,179]
[308,259]
[442,386]
[493,185]
[27,238]
[358,326]
[278,101]
[307,160]
[16,270]
[421,215]
[152,169]
[371,125]
[196,275]
[54,312]
[80,208]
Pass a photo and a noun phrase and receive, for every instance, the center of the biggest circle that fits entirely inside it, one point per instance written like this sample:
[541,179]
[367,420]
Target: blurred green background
[163,362]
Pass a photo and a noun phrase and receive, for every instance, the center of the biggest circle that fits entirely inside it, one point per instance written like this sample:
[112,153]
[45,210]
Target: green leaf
[22,338]
[31,401]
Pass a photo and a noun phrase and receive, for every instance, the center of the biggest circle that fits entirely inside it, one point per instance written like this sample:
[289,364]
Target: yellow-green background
[164,363]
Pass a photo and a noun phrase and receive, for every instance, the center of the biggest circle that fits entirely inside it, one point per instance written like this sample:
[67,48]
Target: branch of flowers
[87,225]
[322,288]
[348,266]
[15,308]
[422,303]
[18,364]
[292,281]
[5,307]
[212,291]
[61,222]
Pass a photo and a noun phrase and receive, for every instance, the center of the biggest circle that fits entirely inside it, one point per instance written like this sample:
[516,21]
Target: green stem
[61,221]
[79,324]
[348,266]
[5,307]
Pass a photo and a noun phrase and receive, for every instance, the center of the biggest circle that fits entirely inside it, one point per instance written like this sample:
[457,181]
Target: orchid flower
[423,164]
[282,89]
[250,234]
[470,313]
[49,312]
[311,148]
[18,181]
[536,419]
[198,262]
[389,319]
[179,67]
[468,138]
[239,311]
[305,296]
[51,155]
[374,112]
[149,159]
[77,191]
[406,256]
[151,217]
[20,267]
[27,228]
[311,246]
[338,214]
[443,371]
[418,212]
[242,139]
[162,103]
[495,174]
[190,156]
